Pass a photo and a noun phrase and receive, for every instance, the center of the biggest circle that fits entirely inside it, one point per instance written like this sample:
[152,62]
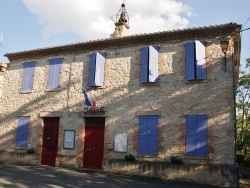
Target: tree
[243,114]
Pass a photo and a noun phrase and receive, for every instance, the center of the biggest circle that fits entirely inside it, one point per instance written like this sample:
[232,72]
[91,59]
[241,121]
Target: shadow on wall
[173,96]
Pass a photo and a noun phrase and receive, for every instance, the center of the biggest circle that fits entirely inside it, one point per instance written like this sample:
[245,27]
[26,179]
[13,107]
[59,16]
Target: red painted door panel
[93,145]
[50,141]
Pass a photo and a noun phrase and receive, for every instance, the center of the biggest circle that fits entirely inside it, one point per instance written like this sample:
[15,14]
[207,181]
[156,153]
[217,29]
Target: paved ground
[244,177]
[54,177]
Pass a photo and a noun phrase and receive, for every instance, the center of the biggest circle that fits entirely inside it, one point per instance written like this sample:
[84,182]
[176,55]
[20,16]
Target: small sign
[121,142]
[69,139]
[96,110]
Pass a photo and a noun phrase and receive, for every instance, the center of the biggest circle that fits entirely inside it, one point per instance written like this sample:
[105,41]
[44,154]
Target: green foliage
[31,151]
[176,160]
[130,158]
[243,117]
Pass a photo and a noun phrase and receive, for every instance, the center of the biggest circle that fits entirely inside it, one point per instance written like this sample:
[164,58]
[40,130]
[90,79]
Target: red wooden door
[50,141]
[93,143]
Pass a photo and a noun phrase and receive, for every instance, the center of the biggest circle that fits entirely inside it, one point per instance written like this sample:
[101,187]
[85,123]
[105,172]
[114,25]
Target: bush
[176,160]
[130,158]
[244,162]
[31,151]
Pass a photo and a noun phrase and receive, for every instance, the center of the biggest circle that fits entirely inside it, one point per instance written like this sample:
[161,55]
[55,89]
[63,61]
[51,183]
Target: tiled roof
[147,38]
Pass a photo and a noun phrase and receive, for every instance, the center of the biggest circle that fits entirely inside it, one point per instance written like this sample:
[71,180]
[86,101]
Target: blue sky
[31,24]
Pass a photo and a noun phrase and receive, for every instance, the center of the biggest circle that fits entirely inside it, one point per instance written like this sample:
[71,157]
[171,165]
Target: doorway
[93,142]
[50,140]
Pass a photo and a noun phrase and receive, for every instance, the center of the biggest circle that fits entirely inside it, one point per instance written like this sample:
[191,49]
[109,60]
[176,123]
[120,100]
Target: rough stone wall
[123,97]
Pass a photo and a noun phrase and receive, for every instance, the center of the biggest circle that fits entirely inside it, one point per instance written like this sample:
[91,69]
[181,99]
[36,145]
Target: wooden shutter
[152,135]
[22,132]
[153,64]
[54,75]
[148,135]
[196,135]
[92,67]
[200,54]
[144,65]
[28,76]
[100,65]
[190,135]
[202,136]
[190,61]
[142,135]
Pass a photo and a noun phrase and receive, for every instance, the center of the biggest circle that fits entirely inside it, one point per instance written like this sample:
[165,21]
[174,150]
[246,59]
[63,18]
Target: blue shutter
[191,135]
[144,65]
[99,72]
[153,64]
[200,54]
[142,135]
[54,75]
[152,135]
[22,132]
[197,135]
[92,67]
[202,136]
[190,61]
[28,76]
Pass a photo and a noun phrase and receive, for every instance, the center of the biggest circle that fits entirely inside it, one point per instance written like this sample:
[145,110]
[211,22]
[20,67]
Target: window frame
[196,135]
[27,83]
[96,77]
[149,65]
[54,74]
[148,132]
[195,61]
[22,132]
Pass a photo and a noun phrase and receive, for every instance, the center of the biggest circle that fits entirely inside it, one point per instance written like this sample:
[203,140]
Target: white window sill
[24,92]
[53,89]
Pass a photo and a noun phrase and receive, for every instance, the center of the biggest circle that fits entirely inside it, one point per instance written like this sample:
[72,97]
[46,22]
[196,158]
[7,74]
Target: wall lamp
[224,47]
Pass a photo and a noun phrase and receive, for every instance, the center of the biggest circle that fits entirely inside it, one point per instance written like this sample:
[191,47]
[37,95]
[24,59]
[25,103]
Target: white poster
[121,142]
[69,139]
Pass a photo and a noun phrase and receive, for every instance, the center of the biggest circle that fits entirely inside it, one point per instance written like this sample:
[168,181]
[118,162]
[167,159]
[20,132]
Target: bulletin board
[69,139]
[121,142]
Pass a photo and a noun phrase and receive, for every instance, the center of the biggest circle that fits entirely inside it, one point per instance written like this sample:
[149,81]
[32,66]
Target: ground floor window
[197,135]
[148,135]
[22,132]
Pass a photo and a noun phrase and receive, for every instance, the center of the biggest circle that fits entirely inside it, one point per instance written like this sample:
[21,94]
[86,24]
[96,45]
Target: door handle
[88,149]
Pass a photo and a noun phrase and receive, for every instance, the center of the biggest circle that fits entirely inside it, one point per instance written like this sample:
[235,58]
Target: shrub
[176,160]
[130,158]
[31,151]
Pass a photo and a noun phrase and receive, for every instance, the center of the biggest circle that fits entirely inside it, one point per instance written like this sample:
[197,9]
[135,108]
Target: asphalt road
[54,177]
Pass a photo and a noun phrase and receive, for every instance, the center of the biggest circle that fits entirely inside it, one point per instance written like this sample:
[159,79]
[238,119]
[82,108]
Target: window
[28,76]
[54,75]
[197,135]
[148,135]
[195,61]
[96,69]
[22,132]
[149,64]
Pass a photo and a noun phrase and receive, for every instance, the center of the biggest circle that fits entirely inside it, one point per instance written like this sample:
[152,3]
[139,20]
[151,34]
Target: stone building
[165,98]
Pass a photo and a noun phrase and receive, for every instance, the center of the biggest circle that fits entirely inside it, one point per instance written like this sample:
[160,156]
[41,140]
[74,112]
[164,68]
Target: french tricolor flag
[93,102]
[86,101]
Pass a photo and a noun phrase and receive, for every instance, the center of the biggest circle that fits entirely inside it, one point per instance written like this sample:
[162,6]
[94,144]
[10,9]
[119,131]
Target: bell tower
[121,23]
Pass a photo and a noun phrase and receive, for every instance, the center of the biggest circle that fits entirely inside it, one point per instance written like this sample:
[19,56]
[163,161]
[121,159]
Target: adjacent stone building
[165,98]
